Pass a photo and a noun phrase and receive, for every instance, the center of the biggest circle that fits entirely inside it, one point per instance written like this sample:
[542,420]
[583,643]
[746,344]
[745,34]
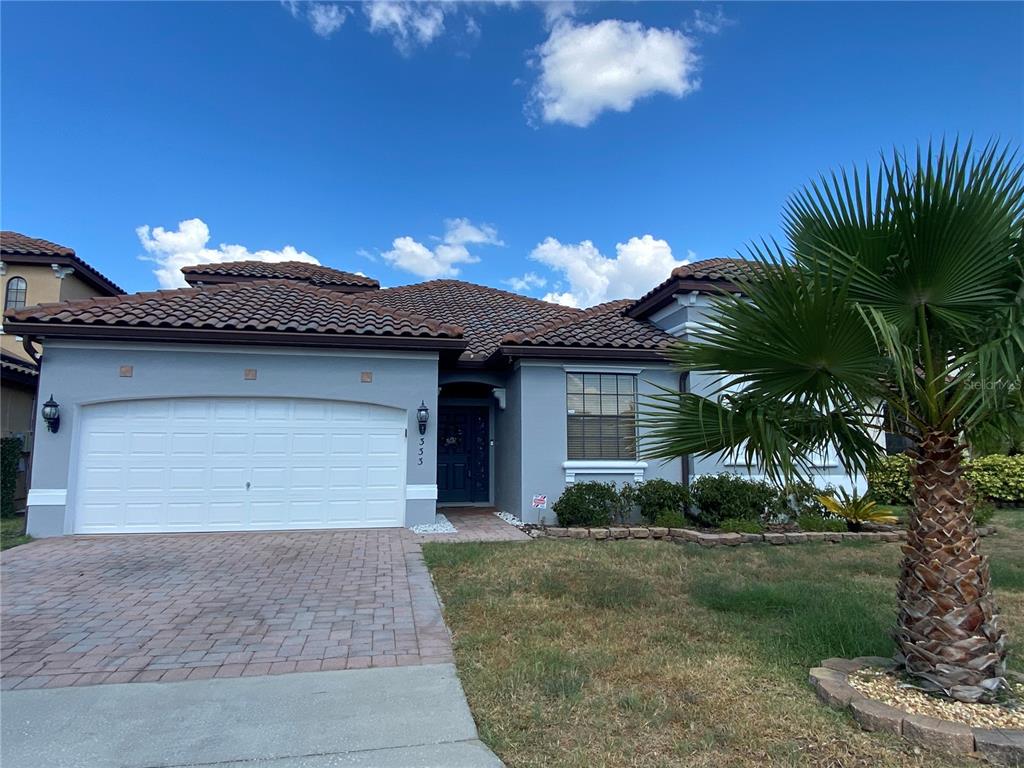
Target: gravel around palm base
[889,689]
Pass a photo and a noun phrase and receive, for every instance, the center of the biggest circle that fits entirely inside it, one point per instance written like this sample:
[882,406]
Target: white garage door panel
[229,464]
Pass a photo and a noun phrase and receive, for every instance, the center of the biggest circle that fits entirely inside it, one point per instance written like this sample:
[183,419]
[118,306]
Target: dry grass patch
[645,654]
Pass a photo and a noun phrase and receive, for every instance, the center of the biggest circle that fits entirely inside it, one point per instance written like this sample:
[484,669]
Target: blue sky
[592,146]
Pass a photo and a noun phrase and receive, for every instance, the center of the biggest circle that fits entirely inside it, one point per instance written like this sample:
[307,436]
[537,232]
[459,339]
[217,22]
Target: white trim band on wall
[582,368]
[426,491]
[575,467]
[47,497]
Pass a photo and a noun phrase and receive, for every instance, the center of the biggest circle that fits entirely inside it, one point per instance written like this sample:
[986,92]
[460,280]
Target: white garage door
[233,464]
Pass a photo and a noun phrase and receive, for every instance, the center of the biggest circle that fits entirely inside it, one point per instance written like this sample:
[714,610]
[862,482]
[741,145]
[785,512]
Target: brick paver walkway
[134,608]
[475,524]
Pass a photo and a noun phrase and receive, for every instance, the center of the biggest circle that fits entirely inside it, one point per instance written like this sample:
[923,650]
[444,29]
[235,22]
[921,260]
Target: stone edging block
[708,539]
[831,682]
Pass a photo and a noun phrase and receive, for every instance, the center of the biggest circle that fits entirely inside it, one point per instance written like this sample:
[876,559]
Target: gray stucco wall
[545,434]
[78,374]
[681,319]
[508,441]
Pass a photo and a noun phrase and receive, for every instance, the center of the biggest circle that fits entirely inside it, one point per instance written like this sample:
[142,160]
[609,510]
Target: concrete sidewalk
[408,717]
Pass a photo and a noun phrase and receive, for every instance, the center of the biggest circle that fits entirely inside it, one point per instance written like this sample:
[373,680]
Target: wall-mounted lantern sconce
[51,414]
[422,416]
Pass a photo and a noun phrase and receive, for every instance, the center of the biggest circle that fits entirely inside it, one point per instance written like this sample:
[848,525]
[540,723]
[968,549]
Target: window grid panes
[17,292]
[601,415]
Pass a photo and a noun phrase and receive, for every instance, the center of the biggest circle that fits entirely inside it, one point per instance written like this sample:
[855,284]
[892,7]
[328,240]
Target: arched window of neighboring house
[17,290]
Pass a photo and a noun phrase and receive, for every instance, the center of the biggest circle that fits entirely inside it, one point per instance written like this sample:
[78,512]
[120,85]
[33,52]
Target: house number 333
[420,453]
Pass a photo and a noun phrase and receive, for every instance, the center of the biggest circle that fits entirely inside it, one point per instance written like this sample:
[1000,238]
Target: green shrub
[728,496]
[734,525]
[998,478]
[670,519]
[10,456]
[889,480]
[657,497]
[587,504]
[818,523]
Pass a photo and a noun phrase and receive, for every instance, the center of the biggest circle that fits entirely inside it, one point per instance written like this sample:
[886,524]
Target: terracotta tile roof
[474,319]
[262,306]
[278,270]
[485,314]
[14,364]
[16,248]
[716,269]
[16,243]
[605,326]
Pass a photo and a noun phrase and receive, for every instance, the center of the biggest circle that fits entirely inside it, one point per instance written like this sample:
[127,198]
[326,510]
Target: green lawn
[10,532]
[633,653]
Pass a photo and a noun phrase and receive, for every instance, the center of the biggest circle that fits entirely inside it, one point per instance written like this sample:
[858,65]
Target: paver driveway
[134,608]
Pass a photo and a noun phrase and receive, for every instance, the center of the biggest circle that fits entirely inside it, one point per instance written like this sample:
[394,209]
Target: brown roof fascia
[228,336]
[589,353]
[662,296]
[83,271]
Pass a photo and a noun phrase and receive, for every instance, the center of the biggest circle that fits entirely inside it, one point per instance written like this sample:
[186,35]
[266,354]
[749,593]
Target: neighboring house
[34,271]
[285,396]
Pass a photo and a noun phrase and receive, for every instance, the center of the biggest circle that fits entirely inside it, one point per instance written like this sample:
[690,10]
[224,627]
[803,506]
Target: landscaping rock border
[706,539]
[831,682]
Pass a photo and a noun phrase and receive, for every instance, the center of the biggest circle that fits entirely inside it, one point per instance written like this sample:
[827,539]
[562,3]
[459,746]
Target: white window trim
[604,462]
[601,369]
[575,467]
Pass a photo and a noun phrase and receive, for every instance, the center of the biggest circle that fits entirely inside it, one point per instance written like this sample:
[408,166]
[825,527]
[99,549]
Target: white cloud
[408,22]
[638,265]
[171,250]
[525,283]
[566,299]
[586,69]
[556,10]
[710,22]
[443,259]
[324,18]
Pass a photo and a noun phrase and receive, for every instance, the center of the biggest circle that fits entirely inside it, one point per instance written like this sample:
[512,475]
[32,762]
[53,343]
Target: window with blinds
[601,415]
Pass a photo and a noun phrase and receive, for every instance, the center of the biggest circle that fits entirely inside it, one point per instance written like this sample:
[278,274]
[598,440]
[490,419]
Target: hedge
[10,456]
[889,480]
[999,479]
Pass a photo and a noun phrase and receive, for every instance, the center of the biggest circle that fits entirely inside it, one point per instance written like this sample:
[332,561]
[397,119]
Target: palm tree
[899,295]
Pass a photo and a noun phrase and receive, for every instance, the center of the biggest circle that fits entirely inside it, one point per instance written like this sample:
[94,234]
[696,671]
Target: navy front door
[463,454]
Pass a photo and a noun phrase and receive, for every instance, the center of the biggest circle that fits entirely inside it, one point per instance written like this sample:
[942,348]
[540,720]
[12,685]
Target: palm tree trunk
[949,635]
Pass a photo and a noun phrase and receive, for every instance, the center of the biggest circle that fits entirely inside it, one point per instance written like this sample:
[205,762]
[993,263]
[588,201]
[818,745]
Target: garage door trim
[308,461]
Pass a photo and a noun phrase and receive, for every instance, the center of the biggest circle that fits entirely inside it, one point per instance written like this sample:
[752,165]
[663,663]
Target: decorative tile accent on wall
[250,374]
[126,371]
[366,377]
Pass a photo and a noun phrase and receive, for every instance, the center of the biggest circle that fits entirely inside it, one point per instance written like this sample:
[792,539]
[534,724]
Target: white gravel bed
[441,524]
[509,518]
[884,687]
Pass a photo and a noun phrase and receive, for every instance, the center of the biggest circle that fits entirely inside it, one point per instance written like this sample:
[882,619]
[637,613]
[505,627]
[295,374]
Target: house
[34,271]
[286,396]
